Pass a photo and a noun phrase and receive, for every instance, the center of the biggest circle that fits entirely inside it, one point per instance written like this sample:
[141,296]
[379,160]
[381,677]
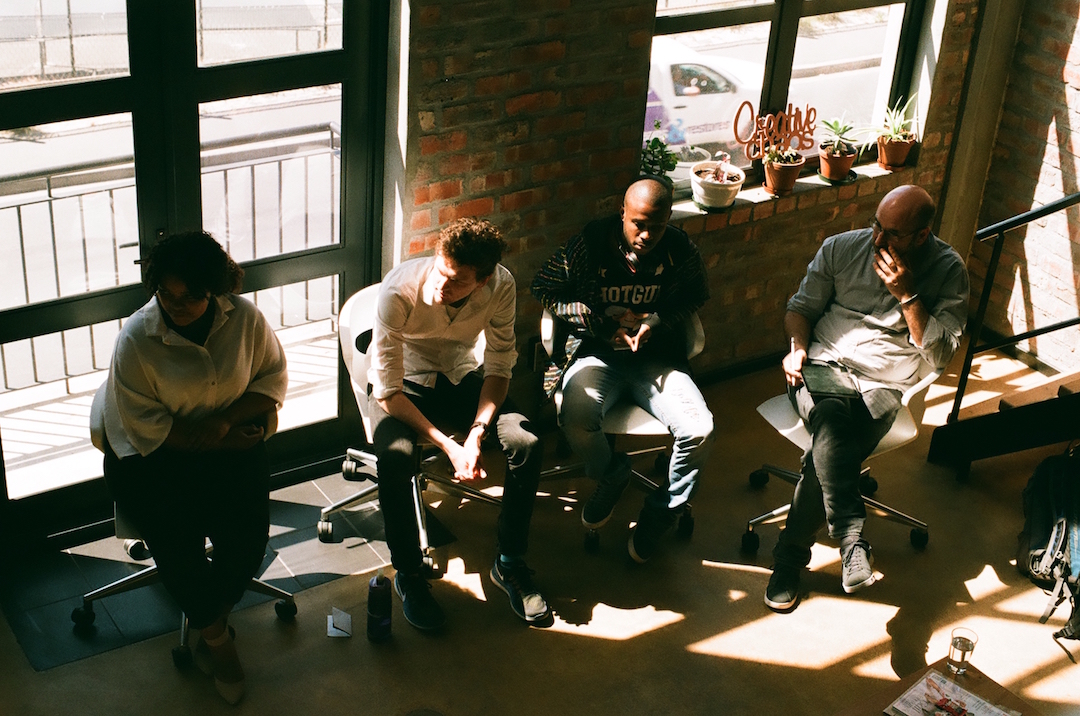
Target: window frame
[162,92]
[783,17]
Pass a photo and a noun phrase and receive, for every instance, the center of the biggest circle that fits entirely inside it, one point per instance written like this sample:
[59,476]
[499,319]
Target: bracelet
[481,424]
[909,299]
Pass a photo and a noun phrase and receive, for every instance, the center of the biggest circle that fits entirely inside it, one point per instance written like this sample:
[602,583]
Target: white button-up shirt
[158,375]
[415,339]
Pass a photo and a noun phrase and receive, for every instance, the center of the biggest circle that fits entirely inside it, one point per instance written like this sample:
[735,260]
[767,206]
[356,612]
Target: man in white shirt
[426,380]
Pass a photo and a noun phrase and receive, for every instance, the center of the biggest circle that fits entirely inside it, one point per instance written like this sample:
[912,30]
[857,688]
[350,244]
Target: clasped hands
[632,332]
[465,458]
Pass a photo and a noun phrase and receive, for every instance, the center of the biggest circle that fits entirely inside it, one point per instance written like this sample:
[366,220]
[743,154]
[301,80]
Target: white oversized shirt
[415,338]
[157,374]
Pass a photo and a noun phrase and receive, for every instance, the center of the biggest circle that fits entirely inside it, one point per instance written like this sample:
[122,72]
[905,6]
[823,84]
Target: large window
[122,122]
[845,58]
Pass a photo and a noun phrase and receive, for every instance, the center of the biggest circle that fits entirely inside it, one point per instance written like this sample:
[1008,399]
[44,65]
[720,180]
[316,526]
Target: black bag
[1048,549]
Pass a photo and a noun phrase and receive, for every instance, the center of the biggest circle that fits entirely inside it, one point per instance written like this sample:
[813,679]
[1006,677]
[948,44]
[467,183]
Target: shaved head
[911,204]
[649,192]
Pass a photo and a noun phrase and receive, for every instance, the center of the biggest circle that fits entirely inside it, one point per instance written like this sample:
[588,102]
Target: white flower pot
[711,193]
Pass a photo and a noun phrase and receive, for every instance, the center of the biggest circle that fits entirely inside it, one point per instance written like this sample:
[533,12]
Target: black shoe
[598,508]
[651,526]
[782,594]
[420,608]
[525,599]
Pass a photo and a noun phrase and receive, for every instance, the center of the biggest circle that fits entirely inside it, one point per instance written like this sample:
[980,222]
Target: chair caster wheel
[750,542]
[83,616]
[759,479]
[685,528]
[592,541]
[919,538]
[181,657]
[868,486]
[325,528]
[286,610]
[136,549]
[661,463]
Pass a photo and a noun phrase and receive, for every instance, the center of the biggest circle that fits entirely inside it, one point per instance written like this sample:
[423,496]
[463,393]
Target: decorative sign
[793,129]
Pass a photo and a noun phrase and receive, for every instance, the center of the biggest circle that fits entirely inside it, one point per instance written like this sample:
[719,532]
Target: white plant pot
[712,193]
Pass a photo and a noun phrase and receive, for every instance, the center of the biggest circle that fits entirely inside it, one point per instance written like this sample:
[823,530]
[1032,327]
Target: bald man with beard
[880,301]
[628,286]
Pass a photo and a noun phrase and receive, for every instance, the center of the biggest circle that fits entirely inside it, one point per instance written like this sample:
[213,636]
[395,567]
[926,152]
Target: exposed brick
[434,144]
[474,207]
[420,220]
[491,85]
[533,102]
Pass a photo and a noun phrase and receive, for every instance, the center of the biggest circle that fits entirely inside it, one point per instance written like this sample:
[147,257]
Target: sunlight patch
[806,638]
[879,668]
[985,584]
[1031,603]
[619,624]
[1007,651]
[465,581]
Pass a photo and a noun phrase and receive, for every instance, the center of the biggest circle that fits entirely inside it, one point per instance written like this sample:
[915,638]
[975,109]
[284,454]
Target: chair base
[919,535]
[422,480]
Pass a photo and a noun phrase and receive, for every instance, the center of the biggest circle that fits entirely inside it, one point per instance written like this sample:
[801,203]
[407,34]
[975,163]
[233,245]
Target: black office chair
[780,414]
[624,418]
[356,319]
[84,616]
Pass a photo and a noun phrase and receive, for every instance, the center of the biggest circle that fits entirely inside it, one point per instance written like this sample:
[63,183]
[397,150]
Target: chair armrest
[919,387]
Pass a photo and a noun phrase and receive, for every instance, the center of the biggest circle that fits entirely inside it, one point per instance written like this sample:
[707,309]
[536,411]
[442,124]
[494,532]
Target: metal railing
[996,232]
[75,232]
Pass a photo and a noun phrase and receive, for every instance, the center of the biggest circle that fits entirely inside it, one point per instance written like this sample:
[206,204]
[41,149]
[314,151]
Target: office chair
[780,414]
[355,322]
[83,616]
[625,417]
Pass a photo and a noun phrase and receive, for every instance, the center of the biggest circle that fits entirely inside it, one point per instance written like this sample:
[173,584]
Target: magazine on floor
[935,695]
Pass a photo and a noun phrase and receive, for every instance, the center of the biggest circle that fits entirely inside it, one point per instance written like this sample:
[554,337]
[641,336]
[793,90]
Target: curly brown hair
[472,242]
[197,259]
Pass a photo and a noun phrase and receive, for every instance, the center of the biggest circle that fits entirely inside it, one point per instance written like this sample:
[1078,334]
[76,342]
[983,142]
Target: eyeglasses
[187,299]
[890,235]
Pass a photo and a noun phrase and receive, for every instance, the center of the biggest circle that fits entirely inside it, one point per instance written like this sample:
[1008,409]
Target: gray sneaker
[525,599]
[858,565]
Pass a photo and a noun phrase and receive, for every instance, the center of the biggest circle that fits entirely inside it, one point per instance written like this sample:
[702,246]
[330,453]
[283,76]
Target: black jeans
[453,407]
[176,500]
[844,434]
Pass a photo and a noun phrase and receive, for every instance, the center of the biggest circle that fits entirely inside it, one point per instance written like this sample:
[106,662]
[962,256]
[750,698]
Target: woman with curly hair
[195,374]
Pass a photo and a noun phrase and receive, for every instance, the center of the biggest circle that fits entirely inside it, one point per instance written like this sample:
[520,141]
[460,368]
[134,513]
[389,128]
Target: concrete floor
[686,633]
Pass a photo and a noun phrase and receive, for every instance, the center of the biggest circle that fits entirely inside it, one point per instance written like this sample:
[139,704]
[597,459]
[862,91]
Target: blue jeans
[591,386]
[844,434]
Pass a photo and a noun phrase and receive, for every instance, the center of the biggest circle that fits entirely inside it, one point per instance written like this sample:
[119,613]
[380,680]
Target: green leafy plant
[897,125]
[839,136]
[777,154]
[656,157]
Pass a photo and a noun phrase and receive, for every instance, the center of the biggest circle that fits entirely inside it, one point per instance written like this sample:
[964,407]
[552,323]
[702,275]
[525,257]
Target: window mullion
[780,56]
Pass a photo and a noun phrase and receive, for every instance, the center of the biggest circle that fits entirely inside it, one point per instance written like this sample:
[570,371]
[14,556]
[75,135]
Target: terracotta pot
[835,167]
[713,194]
[892,154]
[780,178]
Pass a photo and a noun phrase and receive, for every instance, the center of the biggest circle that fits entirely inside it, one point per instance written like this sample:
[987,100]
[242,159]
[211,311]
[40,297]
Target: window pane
[46,386]
[235,30]
[271,171]
[844,65]
[57,41]
[686,7]
[304,316]
[68,222]
[697,82]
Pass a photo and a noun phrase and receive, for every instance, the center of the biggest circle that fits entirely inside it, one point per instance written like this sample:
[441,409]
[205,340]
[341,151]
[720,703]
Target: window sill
[755,194]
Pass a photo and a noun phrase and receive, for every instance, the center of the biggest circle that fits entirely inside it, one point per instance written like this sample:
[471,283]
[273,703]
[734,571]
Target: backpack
[1048,548]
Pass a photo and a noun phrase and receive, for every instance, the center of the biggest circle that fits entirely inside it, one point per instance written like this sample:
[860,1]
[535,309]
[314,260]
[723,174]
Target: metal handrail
[997,233]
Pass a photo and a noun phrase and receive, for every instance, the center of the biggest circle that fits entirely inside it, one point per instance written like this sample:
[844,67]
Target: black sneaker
[599,506]
[782,593]
[651,526]
[420,608]
[525,599]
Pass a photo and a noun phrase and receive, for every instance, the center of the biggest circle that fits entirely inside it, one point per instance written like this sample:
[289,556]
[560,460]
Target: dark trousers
[844,434]
[176,500]
[452,408]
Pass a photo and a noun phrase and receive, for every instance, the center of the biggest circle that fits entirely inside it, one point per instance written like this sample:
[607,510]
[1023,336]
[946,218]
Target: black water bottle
[379,607]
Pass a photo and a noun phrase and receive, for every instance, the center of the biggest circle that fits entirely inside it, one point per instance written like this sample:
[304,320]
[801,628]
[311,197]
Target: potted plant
[657,159]
[715,184]
[782,167]
[895,138]
[837,150]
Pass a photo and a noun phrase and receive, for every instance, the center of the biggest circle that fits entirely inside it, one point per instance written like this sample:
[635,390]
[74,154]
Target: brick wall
[1036,160]
[530,113]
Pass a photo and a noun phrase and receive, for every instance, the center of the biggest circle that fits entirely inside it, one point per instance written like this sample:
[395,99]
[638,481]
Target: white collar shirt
[415,339]
[158,375]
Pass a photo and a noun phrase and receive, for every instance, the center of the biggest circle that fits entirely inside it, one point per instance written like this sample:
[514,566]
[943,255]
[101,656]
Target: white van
[695,97]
